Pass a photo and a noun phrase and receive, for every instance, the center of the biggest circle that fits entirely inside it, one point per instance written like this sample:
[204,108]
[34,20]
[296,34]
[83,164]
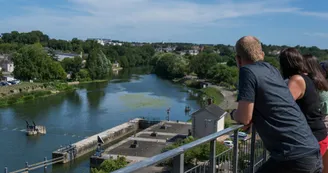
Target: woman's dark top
[310,106]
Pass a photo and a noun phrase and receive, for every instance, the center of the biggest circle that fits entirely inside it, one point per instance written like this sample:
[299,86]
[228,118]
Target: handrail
[177,151]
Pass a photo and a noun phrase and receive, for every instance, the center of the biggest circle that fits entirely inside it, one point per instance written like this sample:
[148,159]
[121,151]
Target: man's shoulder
[260,67]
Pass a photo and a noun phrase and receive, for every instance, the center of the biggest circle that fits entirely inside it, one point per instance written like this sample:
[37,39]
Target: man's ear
[238,61]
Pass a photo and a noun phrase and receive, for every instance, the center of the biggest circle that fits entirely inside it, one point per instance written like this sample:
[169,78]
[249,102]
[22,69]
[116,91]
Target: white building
[207,120]
[60,56]
[7,65]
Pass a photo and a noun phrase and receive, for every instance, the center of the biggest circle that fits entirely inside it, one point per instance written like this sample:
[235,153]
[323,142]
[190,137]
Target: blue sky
[281,22]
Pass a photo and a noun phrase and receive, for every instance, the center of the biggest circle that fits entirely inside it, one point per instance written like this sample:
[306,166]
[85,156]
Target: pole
[26,166]
[45,164]
[6,170]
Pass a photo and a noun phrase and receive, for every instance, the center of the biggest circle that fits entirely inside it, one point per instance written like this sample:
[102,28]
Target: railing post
[6,170]
[26,166]
[264,154]
[178,163]
[235,152]
[45,164]
[253,141]
[212,156]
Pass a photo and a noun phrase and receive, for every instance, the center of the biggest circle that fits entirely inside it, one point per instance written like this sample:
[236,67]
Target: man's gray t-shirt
[276,116]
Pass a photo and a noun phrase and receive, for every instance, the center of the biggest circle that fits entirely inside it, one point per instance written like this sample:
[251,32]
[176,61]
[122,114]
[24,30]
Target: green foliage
[72,65]
[22,97]
[98,65]
[273,61]
[83,75]
[223,74]
[170,66]
[201,63]
[31,62]
[199,153]
[1,75]
[111,165]
[214,93]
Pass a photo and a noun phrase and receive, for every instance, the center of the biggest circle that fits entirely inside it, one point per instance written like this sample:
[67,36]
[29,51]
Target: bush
[196,154]
[111,165]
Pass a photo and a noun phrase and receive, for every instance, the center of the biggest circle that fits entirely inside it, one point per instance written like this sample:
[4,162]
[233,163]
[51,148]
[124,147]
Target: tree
[98,65]
[170,66]
[1,75]
[224,74]
[83,75]
[72,65]
[32,62]
[201,63]
[273,61]
[111,165]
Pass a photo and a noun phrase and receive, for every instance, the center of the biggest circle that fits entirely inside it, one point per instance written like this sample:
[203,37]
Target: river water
[95,107]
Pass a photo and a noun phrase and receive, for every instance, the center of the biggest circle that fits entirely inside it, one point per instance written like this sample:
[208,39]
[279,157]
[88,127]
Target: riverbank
[24,92]
[211,91]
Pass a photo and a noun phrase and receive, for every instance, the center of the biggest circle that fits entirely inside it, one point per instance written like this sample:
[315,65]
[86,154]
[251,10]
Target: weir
[90,144]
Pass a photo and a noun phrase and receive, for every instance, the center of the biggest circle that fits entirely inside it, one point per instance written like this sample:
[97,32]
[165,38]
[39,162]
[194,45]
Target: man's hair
[249,48]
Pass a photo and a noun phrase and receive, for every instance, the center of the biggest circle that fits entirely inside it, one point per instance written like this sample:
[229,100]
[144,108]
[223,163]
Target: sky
[278,22]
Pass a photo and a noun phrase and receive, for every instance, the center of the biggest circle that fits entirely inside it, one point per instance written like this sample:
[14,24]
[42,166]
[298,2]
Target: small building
[6,64]
[116,65]
[207,120]
[60,56]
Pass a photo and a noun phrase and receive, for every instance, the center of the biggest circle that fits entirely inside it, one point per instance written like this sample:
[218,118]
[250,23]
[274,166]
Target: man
[265,101]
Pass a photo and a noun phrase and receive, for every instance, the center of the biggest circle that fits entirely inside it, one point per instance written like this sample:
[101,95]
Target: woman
[302,85]
[314,67]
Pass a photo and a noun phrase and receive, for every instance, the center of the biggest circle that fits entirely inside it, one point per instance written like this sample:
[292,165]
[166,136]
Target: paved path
[229,101]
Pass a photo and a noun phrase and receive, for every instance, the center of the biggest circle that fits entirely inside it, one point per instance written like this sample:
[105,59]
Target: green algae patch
[142,100]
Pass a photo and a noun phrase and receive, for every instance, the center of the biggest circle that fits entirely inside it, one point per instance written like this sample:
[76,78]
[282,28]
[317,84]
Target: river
[92,108]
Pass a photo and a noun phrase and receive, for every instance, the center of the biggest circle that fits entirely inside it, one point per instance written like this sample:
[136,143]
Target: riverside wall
[89,144]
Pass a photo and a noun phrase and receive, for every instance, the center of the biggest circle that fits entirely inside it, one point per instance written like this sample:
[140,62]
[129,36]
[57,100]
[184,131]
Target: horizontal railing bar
[40,164]
[172,153]
[43,162]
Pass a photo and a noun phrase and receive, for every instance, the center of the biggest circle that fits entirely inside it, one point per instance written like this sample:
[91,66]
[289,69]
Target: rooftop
[212,110]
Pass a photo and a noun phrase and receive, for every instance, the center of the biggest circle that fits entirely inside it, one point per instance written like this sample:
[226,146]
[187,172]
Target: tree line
[214,62]
[32,61]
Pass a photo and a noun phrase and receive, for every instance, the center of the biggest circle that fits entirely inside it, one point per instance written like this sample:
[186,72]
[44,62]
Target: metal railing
[44,164]
[250,158]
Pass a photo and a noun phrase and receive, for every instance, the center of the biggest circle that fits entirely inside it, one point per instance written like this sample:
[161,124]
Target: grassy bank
[213,93]
[23,97]
[93,81]
[24,94]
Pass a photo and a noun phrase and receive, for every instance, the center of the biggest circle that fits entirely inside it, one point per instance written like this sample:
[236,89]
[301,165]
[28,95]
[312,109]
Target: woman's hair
[316,73]
[291,62]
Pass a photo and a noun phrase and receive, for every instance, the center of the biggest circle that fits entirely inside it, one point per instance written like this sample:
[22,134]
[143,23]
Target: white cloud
[140,19]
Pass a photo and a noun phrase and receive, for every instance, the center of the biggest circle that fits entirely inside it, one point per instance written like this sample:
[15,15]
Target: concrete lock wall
[90,144]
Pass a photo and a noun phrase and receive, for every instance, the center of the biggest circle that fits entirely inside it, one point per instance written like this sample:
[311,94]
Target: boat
[32,130]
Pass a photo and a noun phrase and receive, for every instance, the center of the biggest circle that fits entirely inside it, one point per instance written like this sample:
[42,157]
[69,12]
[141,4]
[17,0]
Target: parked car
[14,82]
[228,143]
[4,83]
[241,136]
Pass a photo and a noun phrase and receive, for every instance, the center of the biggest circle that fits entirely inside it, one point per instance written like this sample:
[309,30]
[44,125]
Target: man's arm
[244,113]
[246,97]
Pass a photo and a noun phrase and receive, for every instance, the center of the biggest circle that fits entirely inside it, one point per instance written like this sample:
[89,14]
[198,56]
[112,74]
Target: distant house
[193,52]
[60,56]
[116,65]
[6,64]
[207,120]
